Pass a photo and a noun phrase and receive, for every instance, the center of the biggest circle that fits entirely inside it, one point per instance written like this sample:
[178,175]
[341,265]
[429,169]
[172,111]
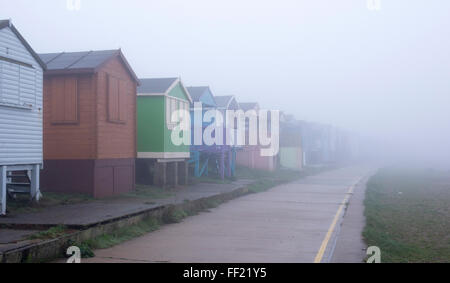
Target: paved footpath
[296,222]
[91,213]
[350,247]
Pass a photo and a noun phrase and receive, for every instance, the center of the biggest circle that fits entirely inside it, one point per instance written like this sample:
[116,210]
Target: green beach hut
[159,161]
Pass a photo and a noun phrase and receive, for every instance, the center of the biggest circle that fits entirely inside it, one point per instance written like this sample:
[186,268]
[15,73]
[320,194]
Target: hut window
[169,110]
[173,105]
[174,108]
[117,102]
[64,100]
[123,88]
[17,84]
[9,83]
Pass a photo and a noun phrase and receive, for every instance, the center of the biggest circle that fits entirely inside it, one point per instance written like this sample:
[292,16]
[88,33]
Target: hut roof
[197,92]
[249,105]
[156,85]
[88,61]
[223,101]
[161,86]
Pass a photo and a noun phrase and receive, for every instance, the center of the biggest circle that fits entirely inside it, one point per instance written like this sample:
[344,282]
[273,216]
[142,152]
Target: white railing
[33,171]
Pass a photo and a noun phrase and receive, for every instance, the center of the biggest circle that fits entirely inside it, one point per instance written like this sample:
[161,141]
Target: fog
[383,74]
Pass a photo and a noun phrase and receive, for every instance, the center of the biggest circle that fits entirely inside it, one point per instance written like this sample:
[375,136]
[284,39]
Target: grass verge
[51,233]
[123,234]
[408,215]
[148,192]
[23,204]
[150,224]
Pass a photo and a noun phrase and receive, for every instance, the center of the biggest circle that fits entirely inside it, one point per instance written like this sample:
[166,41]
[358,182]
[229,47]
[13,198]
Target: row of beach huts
[84,122]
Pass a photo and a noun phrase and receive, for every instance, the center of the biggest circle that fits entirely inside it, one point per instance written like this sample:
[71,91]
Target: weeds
[51,233]
[149,192]
[121,235]
[23,204]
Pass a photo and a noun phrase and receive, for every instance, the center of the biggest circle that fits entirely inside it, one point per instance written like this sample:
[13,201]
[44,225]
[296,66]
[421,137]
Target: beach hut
[21,72]
[250,155]
[89,123]
[311,142]
[291,145]
[247,155]
[225,103]
[330,144]
[319,144]
[206,158]
[160,161]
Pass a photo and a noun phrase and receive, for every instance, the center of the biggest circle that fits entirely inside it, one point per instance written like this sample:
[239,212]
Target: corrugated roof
[223,101]
[156,86]
[7,23]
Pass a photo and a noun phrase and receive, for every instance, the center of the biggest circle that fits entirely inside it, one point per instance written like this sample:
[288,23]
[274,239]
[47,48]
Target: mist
[381,74]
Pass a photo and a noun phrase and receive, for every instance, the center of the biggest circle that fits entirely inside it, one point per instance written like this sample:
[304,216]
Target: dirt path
[289,223]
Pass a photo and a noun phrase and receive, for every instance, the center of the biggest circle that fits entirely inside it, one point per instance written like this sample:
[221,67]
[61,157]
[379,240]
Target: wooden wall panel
[94,135]
[57,88]
[124,94]
[113,98]
[64,99]
[72,140]
[116,139]
[71,99]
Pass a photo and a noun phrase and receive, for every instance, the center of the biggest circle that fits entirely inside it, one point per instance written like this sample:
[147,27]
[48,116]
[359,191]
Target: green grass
[174,215]
[123,234]
[408,215]
[266,180]
[282,175]
[253,174]
[24,205]
[211,180]
[51,233]
[149,192]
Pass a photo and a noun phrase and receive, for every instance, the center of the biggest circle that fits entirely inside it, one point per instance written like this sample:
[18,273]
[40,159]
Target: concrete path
[12,239]
[98,211]
[290,223]
[350,246]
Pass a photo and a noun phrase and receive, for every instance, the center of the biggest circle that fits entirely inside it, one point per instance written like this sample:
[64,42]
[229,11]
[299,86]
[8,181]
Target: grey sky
[385,72]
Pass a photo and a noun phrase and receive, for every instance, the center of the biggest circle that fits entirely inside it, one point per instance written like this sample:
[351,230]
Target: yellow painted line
[324,245]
